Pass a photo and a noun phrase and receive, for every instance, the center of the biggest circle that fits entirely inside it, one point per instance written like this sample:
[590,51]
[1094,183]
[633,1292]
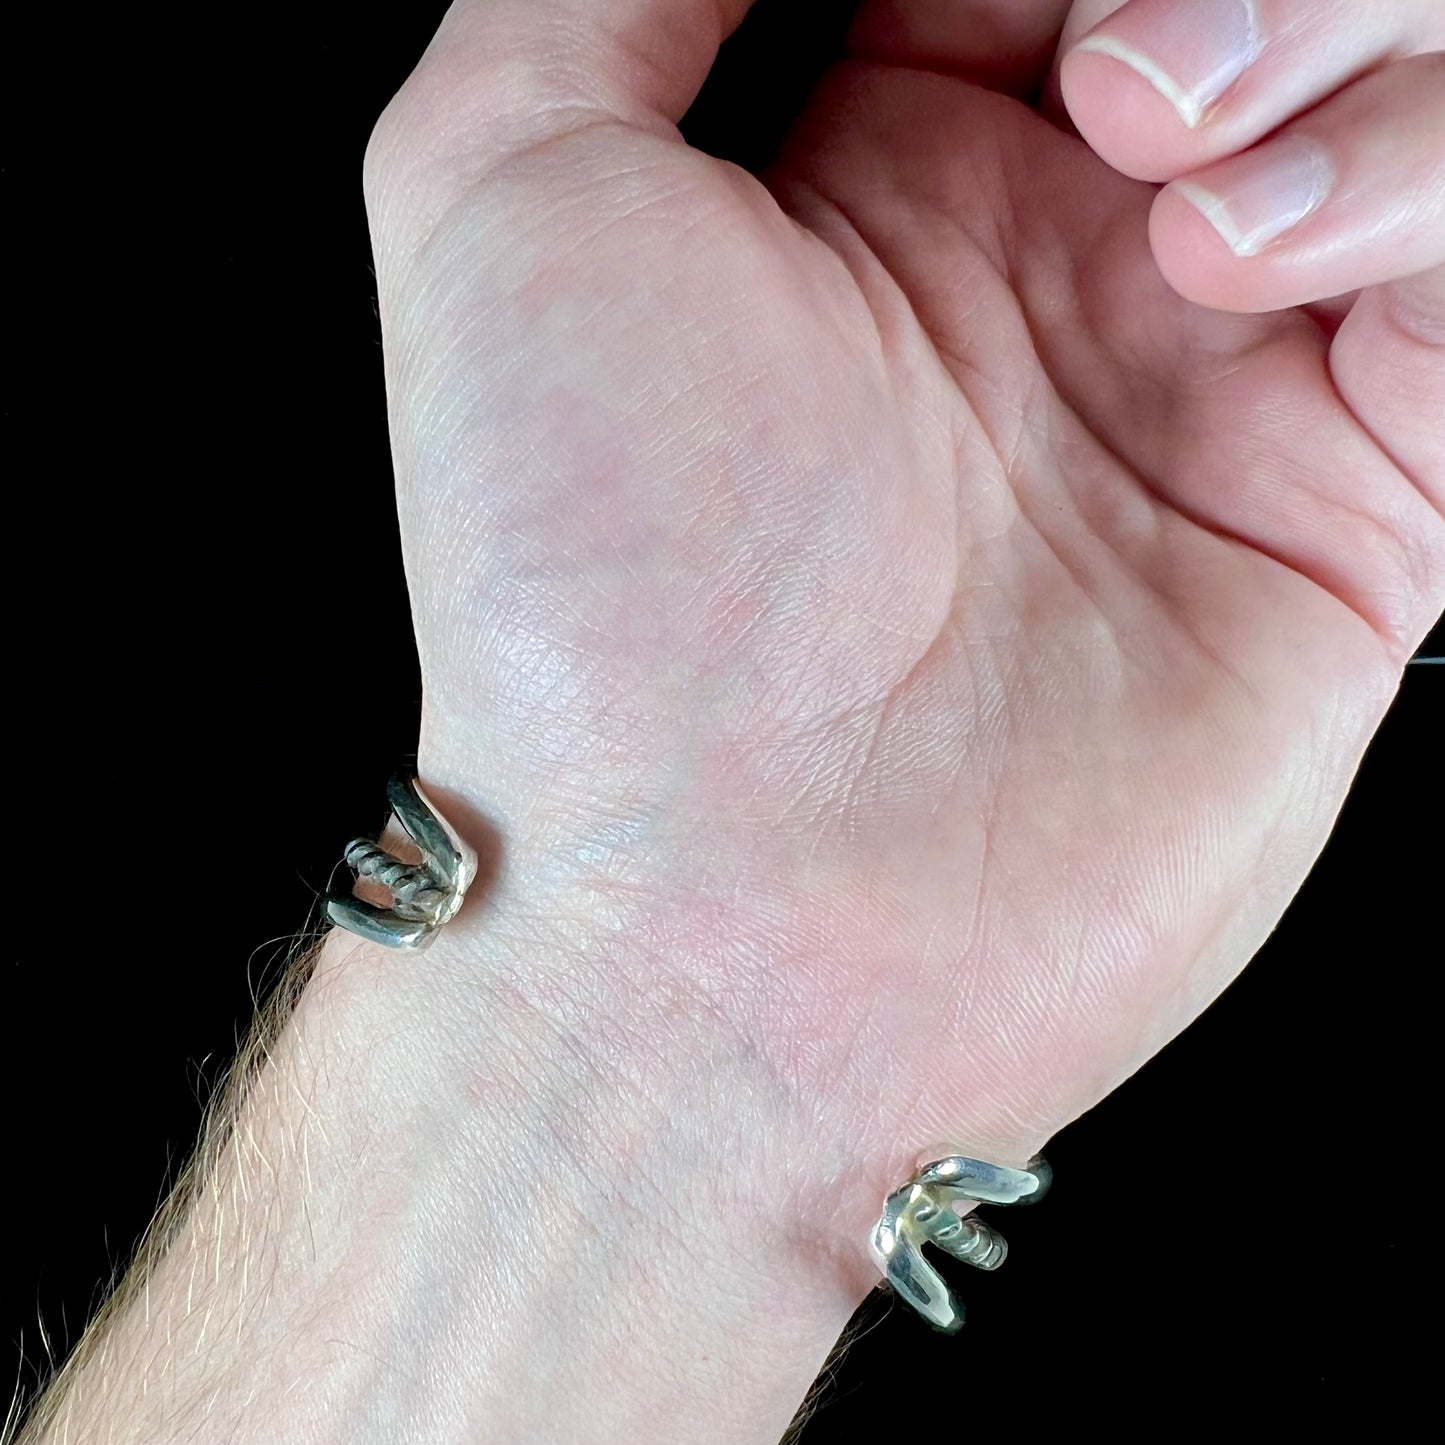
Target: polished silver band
[423,895]
[921,1212]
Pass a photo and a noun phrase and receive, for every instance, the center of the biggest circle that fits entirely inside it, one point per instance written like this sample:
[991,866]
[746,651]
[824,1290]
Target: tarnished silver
[922,1212]
[423,895]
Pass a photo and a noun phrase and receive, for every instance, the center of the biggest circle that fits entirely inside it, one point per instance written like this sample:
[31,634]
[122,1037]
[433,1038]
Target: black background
[208,577]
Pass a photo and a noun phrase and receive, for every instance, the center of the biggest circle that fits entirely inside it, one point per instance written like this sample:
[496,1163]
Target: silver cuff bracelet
[424,895]
[921,1212]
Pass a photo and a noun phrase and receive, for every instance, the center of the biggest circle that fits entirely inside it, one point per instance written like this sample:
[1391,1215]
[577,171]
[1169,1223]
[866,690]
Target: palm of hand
[941,647]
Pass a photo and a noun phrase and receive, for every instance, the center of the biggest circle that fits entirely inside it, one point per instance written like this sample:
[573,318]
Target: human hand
[909,651]
[885,595]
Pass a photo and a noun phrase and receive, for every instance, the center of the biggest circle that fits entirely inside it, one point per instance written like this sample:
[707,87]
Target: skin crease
[907,650]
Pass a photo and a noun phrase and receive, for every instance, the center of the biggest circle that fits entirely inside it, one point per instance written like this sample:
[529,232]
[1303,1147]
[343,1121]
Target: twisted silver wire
[922,1212]
[416,892]
[424,895]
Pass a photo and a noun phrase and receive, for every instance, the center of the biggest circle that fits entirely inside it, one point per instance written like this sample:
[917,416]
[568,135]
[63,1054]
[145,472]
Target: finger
[1083,16]
[1350,195]
[1388,363]
[1162,87]
[1004,45]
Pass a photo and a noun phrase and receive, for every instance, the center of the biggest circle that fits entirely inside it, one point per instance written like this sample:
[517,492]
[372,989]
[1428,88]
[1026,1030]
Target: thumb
[636,59]
[505,76]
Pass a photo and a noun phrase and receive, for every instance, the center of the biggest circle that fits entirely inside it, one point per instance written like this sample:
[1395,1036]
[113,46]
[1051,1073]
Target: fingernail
[1191,54]
[1285,183]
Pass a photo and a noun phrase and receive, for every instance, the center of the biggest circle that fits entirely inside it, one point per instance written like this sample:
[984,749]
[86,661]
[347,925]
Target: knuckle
[471,94]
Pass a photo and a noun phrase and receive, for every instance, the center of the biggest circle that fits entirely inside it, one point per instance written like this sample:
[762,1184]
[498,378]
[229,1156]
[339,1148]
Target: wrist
[471,1195]
[574,1208]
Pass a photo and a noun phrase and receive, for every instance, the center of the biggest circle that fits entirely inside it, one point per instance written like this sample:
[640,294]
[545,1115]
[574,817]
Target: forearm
[476,1196]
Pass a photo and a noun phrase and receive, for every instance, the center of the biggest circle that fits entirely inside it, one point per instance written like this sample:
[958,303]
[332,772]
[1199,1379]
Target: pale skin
[908,622]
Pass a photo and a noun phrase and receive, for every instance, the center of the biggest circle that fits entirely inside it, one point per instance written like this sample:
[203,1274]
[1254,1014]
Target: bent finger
[1388,364]
[1348,196]
[1161,87]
